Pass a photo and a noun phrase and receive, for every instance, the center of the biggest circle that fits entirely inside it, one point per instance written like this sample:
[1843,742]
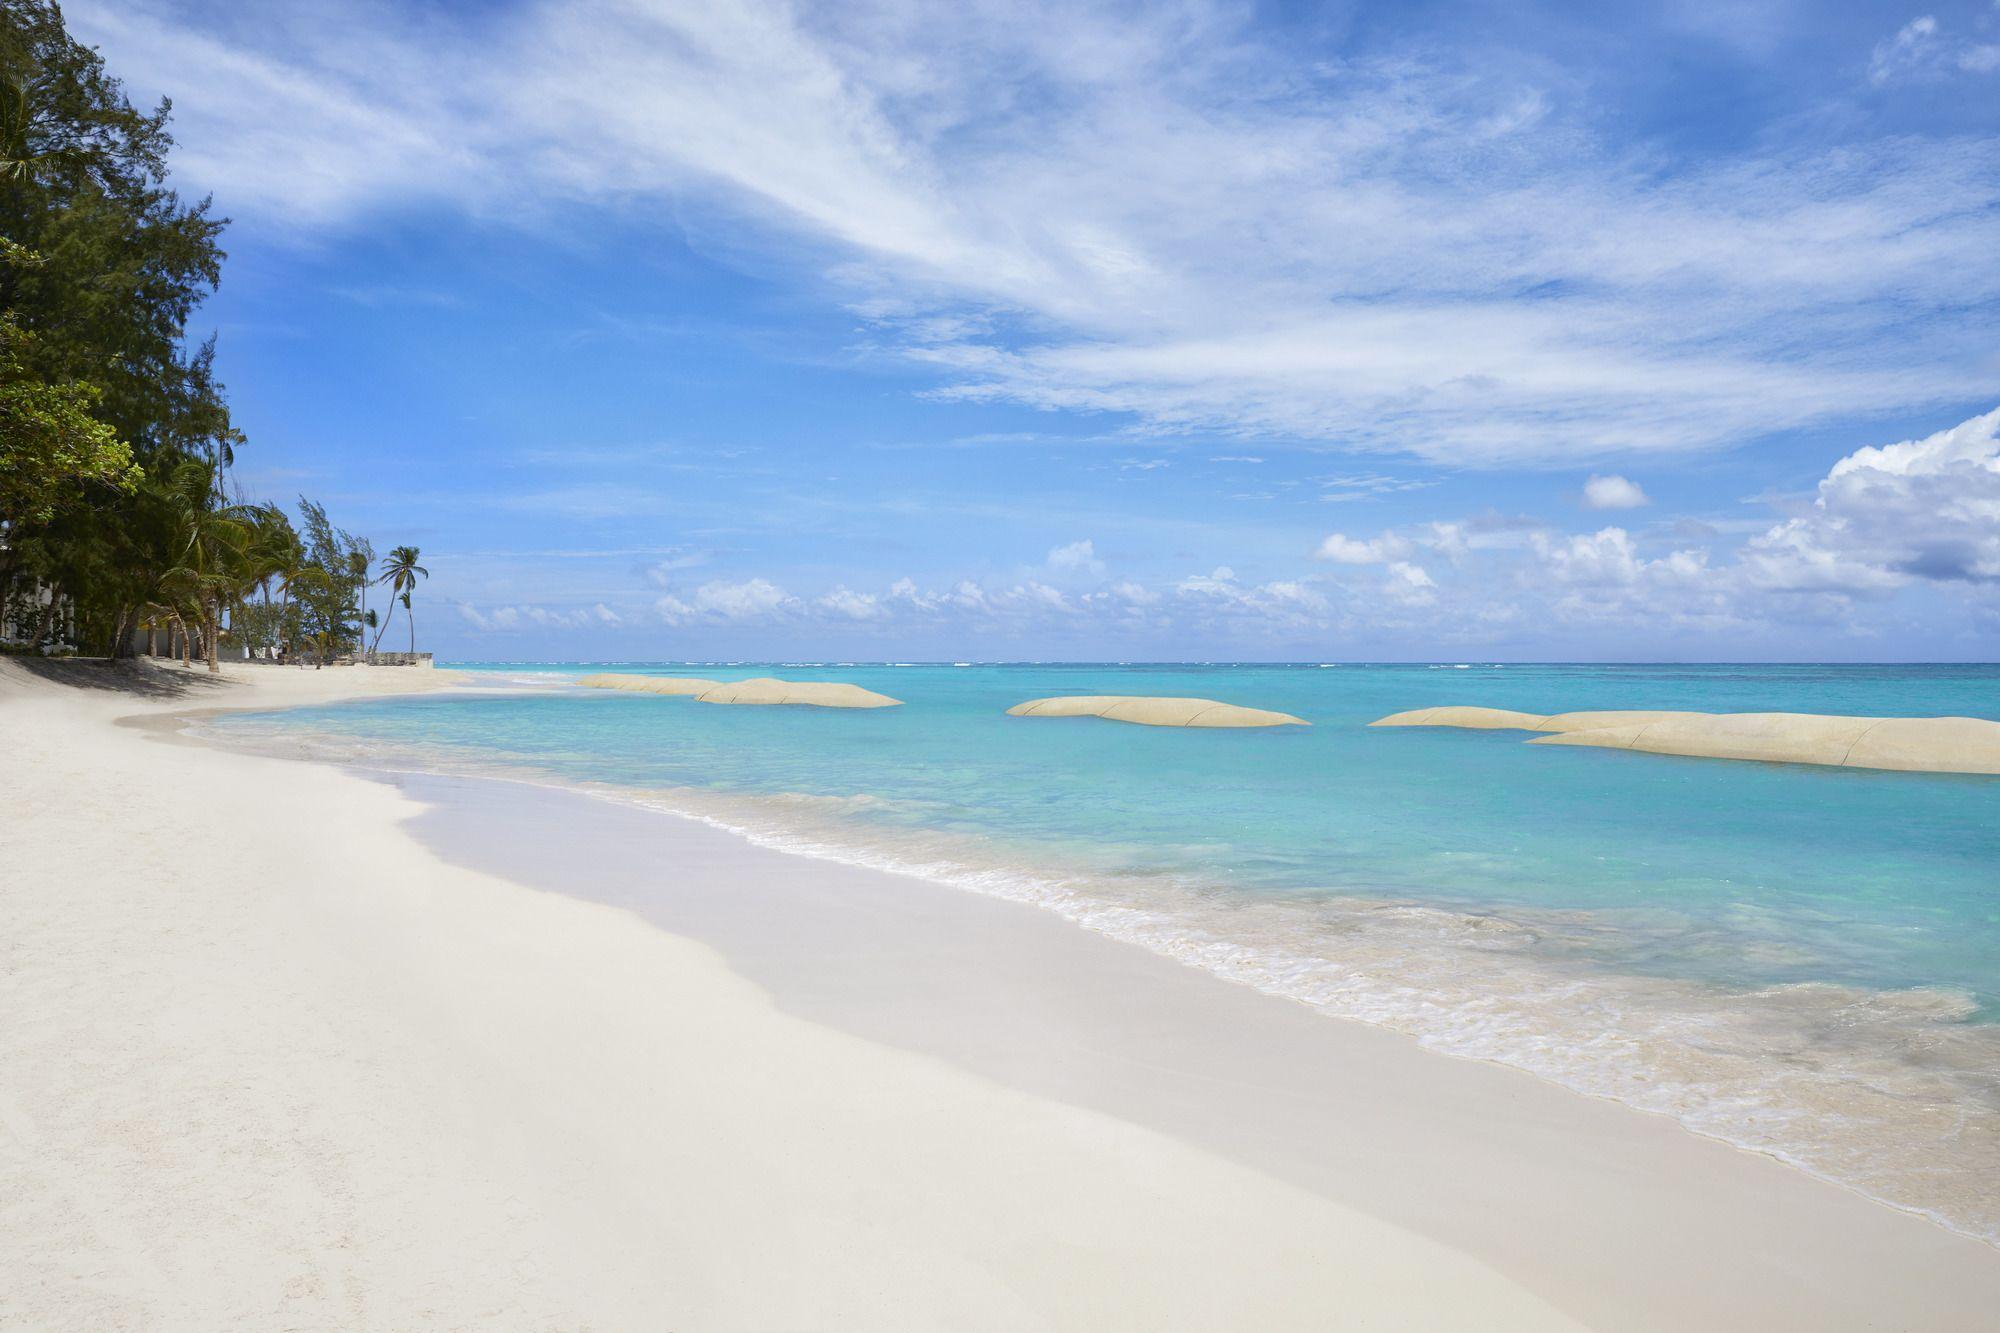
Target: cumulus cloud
[524,616]
[1884,517]
[1409,584]
[1278,603]
[1345,550]
[1912,524]
[1077,557]
[963,173]
[721,600]
[853,605]
[1136,594]
[1609,558]
[1613,493]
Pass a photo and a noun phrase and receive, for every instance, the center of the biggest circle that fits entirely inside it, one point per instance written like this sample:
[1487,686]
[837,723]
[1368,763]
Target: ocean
[1801,961]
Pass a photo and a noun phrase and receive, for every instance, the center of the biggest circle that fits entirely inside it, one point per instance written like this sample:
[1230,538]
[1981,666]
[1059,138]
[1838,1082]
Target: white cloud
[1366,486]
[1077,557]
[1922,49]
[1135,593]
[1885,517]
[523,616]
[1279,603]
[1912,48]
[853,605]
[1409,584]
[965,171]
[1605,558]
[751,599]
[1613,493]
[1919,514]
[1344,550]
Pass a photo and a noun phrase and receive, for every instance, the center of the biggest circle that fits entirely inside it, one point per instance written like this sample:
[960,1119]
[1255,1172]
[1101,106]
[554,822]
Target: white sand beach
[287,1047]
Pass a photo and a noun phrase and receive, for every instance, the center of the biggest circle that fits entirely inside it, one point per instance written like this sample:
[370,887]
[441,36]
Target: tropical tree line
[121,525]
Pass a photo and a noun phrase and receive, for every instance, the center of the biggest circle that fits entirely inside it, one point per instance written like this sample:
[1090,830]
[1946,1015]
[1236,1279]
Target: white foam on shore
[1889,1093]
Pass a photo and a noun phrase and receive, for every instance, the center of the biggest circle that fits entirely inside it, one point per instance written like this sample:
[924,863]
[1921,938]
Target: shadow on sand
[142,680]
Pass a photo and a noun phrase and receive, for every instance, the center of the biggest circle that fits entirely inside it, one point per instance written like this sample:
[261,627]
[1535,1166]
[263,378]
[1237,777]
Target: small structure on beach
[1149,711]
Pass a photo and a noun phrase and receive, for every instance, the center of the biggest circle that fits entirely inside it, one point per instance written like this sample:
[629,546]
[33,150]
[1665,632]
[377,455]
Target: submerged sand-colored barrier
[1910,744]
[758,690]
[1148,711]
[677,685]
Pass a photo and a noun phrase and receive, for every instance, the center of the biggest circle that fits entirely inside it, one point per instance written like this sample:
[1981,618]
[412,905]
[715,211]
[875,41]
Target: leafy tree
[52,451]
[115,434]
[326,589]
[101,268]
[274,554]
[211,539]
[51,446]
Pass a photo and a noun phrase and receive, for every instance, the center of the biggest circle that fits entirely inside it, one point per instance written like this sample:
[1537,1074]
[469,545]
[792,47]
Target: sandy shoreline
[272,1060]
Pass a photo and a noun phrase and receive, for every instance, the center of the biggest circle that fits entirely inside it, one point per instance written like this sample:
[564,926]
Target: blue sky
[1197,330]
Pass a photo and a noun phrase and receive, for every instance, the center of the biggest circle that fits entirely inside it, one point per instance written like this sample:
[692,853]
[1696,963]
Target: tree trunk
[48,617]
[6,588]
[284,620]
[411,616]
[210,630]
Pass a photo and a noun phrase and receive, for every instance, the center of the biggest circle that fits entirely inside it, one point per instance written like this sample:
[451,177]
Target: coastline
[1011,1083]
[1839,1068]
[270,1061]
[1600,1208]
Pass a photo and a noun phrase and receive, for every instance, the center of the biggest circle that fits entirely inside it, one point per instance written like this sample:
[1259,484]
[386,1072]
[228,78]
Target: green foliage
[51,447]
[401,571]
[101,267]
[330,583]
[115,435]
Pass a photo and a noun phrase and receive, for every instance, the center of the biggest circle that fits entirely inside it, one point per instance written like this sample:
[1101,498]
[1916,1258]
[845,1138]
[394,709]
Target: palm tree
[359,557]
[401,572]
[209,541]
[275,552]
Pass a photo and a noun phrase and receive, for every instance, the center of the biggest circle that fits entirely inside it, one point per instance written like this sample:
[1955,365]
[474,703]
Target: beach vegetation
[401,572]
[119,513]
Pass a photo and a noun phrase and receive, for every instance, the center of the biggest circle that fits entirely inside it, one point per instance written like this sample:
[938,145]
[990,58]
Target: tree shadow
[139,680]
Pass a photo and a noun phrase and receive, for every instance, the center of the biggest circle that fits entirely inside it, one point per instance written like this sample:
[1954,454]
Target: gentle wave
[1890,1093]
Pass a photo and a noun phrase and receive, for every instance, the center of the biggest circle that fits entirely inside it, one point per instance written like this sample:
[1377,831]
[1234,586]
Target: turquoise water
[1803,960]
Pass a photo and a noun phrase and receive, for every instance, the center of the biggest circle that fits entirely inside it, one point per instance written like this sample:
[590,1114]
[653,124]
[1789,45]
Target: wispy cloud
[1923,49]
[1047,205]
